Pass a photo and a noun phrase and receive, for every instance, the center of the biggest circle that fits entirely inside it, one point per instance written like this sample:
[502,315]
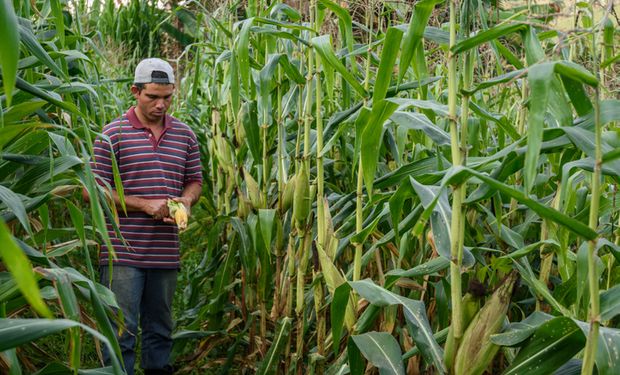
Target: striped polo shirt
[150,169]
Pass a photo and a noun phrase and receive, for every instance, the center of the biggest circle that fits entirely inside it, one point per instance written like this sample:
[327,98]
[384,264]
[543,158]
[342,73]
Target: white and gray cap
[154,70]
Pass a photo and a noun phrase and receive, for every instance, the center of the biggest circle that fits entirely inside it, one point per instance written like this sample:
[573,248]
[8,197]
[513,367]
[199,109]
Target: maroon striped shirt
[149,169]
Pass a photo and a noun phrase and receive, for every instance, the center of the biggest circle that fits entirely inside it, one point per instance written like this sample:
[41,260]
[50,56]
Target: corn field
[391,187]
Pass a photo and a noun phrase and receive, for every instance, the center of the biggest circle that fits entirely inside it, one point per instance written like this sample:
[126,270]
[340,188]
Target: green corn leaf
[48,96]
[21,110]
[372,136]
[382,350]
[419,121]
[517,332]
[59,20]
[242,46]
[16,332]
[269,365]
[415,315]
[11,360]
[345,23]
[458,174]
[610,303]
[265,222]
[507,77]
[553,343]
[362,120]
[355,359]
[249,118]
[71,310]
[391,47]
[488,35]
[15,204]
[537,286]
[291,13]
[9,47]
[322,45]
[338,308]
[33,45]
[286,25]
[18,264]
[417,25]
[539,78]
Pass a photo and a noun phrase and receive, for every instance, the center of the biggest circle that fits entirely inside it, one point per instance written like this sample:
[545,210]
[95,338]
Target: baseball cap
[154,70]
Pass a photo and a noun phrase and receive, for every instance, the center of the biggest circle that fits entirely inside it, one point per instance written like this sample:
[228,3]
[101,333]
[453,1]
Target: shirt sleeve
[193,167]
[101,163]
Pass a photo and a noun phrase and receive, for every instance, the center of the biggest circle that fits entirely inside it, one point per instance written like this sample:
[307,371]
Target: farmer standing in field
[158,159]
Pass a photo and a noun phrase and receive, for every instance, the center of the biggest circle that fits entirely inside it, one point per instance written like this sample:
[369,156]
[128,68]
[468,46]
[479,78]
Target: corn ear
[476,351]
[239,129]
[469,306]
[302,199]
[289,193]
[253,190]
[243,206]
[179,213]
[223,153]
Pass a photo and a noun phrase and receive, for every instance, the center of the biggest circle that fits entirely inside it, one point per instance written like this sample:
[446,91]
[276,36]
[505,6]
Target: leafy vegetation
[387,186]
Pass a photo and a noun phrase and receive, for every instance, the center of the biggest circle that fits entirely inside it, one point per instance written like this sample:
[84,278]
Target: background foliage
[424,187]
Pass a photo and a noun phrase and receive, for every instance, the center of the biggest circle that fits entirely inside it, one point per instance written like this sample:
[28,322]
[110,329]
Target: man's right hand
[157,208]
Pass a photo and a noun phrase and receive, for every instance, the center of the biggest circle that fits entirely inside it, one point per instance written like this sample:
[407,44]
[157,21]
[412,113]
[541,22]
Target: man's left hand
[187,202]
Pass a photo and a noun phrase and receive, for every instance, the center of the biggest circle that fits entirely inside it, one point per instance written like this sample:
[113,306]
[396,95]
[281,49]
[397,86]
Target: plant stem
[456,252]
[359,202]
[594,313]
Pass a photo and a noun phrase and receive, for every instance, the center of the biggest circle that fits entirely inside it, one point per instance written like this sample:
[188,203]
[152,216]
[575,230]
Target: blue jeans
[145,296]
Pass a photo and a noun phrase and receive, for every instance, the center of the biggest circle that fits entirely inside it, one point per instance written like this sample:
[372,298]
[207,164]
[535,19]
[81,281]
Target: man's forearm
[192,192]
[132,202]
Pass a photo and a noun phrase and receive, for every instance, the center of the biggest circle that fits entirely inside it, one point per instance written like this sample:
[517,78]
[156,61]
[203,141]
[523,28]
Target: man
[158,159]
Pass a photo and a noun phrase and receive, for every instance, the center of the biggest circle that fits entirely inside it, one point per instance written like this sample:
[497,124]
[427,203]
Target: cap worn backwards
[154,70]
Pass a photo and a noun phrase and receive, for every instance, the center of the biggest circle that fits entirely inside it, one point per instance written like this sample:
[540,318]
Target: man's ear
[134,90]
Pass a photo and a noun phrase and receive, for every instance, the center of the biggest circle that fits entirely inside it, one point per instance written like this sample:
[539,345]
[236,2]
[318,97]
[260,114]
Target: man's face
[153,100]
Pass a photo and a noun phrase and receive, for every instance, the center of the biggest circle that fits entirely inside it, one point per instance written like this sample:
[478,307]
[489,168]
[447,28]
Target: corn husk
[302,200]
[476,351]
[254,192]
[289,193]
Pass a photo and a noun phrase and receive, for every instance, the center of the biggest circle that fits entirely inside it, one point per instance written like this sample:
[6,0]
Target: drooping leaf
[415,315]
[552,345]
[382,350]
[391,48]
[18,264]
[269,364]
[417,25]
[372,136]
[9,47]
[322,45]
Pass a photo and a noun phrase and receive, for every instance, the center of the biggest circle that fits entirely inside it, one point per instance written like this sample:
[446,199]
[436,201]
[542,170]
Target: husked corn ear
[179,213]
[476,350]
